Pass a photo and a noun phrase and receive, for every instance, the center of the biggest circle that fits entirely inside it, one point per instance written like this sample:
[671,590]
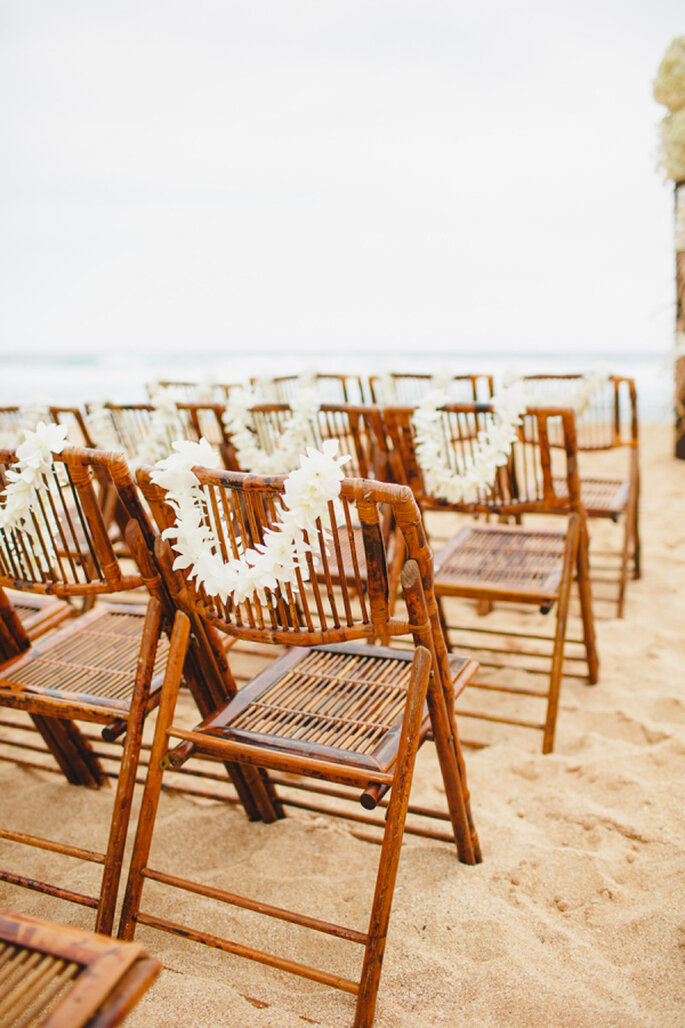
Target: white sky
[333,175]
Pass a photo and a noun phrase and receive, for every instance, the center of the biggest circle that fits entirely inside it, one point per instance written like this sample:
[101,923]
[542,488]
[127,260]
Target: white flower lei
[166,426]
[27,480]
[300,431]
[276,561]
[492,445]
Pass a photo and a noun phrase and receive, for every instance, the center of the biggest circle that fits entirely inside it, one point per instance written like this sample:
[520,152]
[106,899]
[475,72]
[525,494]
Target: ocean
[73,379]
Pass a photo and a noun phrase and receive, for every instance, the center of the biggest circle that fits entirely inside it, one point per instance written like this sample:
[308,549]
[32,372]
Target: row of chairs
[364,737]
[333,708]
[609,422]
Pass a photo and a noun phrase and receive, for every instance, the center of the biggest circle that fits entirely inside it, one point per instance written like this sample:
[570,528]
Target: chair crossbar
[50,890]
[227,749]
[518,722]
[259,907]
[54,847]
[303,970]
[515,690]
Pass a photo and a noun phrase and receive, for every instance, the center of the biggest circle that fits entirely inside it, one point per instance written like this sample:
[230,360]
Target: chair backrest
[358,427]
[410,388]
[133,425]
[192,392]
[64,548]
[322,605]
[77,429]
[331,388]
[535,479]
[610,418]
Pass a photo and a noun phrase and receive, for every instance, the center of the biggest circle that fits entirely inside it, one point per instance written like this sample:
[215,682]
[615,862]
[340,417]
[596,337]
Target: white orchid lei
[300,431]
[281,558]
[166,426]
[28,479]
[490,449]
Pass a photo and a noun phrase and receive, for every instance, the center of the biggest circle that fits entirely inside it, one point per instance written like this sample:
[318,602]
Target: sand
[576,917]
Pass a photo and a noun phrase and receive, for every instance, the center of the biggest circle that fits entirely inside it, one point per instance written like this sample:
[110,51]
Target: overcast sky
[332,175]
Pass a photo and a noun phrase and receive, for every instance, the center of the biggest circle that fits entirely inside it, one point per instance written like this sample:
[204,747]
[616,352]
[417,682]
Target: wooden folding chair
[186,391]
[105,666]
[332,707]
[498,563]
[331,387]
[411,387]
[610,422]
[52,976]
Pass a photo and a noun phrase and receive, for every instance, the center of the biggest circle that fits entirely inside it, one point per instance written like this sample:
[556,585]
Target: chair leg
[392,843]
[570,559]
[129,766]
[585,595]
[73,753]
[153,782]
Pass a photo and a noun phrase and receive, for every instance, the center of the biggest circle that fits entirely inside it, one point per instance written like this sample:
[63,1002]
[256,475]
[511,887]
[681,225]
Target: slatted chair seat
[601,497]
[52,976]
[346,700]
[498,560]
[89,662]
[39,614]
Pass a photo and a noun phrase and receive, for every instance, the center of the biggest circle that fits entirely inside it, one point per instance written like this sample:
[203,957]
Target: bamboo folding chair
[610,422]
[100,667]
[52,976]
[331,387]
[411,387]
[193,392]
[496,563]
[332,707]
[105,666]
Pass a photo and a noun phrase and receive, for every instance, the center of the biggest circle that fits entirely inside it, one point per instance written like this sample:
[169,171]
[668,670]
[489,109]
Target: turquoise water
[73,379]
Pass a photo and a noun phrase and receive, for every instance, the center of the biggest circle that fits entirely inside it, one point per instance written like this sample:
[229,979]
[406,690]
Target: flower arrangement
[300,431]
[490,451]
[282,558]
[669,89]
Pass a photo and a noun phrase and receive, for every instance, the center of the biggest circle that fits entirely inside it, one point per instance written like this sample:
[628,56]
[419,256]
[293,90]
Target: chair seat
[38,614]
[601,497]
[92,661]
[342,703]
[52,976]
[501,560]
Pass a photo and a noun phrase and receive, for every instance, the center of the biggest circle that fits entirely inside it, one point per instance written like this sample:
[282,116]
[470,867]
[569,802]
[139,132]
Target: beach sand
[575,918]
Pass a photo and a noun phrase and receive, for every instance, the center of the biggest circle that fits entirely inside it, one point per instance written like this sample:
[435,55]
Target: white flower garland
[27,480]
[283,554]
[29,416]
[299,432]
[492,445]
[166,426]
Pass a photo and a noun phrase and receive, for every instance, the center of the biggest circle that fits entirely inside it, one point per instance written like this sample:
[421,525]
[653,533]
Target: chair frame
[605,426]
[481,386]
[526,489]
[431,681]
